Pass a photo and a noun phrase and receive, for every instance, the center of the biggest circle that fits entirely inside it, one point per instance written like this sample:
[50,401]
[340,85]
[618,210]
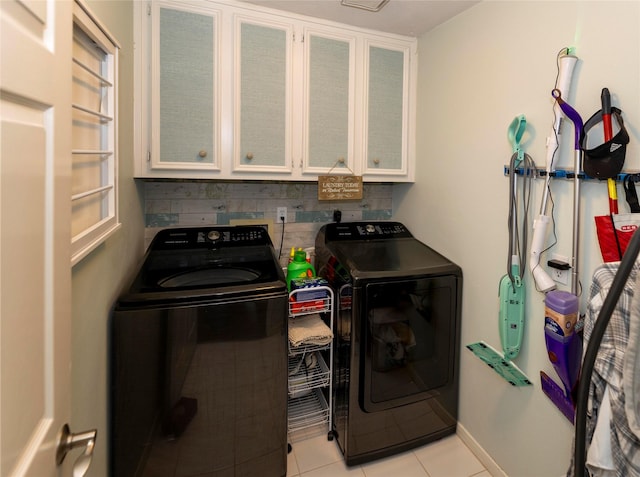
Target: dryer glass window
[409,345]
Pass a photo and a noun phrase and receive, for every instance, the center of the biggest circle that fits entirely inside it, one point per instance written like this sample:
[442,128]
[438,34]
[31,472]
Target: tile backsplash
[192,203]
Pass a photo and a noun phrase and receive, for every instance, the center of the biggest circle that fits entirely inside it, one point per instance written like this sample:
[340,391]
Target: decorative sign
[339,187]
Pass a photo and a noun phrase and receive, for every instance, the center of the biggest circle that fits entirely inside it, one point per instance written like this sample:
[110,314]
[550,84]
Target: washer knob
[213,235]
[370,228]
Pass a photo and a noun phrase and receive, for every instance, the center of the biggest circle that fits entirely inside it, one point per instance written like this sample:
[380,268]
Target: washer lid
[210,277]
[207,267]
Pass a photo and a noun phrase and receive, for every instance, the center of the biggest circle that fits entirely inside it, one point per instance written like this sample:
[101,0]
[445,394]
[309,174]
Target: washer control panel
[207,236]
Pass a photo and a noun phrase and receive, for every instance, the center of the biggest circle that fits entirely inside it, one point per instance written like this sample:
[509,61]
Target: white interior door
[35,275]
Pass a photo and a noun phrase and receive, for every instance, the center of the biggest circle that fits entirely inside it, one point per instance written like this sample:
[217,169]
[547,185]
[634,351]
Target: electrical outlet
[560,276]
[281,215]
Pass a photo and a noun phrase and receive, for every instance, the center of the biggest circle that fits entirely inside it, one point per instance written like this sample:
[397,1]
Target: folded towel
[309,329]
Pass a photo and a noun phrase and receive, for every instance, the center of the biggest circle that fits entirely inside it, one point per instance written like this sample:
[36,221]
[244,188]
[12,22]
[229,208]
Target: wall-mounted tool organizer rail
[568,174]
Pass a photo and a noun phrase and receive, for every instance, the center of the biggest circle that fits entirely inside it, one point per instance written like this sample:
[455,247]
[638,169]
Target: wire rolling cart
[310,386]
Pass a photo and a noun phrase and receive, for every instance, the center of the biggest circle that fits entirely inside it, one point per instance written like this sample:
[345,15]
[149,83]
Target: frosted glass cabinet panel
[263,69]
[329,101]
[386,110]
[185,85]
[230,90]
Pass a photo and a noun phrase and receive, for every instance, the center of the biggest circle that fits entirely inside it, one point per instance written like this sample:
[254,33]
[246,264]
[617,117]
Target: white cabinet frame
[296,165]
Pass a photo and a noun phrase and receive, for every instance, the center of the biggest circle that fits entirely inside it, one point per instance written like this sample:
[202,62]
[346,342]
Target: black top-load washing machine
[199,358]
[397,335]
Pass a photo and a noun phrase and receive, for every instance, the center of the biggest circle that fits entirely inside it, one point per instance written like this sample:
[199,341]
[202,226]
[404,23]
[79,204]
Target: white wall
[477,72]
[98,278]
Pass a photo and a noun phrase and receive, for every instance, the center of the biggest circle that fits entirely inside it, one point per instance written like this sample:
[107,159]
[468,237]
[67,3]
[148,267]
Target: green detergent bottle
[299,267]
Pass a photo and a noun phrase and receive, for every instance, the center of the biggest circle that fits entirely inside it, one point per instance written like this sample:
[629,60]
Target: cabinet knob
[202,153]
[249,155]
[341,160]
[376,161]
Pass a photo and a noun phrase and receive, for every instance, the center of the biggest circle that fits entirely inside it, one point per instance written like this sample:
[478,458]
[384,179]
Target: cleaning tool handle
[544,282]
[515,132]
[566,66]
[613,196]
[573,115]
[605,100]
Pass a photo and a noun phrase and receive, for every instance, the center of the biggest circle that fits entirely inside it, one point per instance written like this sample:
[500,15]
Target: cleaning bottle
[564,345]
[299,267]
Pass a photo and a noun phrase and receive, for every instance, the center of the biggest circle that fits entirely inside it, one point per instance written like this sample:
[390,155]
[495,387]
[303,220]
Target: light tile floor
[448,457]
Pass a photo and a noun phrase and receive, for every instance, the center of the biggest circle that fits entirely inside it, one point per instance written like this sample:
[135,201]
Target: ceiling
[404,17]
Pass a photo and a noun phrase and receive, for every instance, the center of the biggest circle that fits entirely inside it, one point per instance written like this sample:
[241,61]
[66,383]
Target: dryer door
[409,340]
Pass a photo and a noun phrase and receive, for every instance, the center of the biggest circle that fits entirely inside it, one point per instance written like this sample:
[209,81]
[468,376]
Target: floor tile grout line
[479,472]
[301,474]
[421,464]
[363,471]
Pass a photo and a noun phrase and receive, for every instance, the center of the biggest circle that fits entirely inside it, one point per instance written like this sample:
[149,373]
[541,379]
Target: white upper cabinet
[228,90]
[263,99]
[386,117]
[329,102]
[185,99]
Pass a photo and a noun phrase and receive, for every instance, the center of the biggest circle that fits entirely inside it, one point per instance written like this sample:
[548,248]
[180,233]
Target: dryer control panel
[366,230]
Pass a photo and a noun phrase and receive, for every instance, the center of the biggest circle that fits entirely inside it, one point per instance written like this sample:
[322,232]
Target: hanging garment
[631,370]
[608,370]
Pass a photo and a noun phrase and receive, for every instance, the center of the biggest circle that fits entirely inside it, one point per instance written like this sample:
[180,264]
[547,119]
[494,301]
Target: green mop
[512,289]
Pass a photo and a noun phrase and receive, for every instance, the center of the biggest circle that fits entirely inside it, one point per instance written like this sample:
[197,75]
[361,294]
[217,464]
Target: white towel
[309,329]
[599,455]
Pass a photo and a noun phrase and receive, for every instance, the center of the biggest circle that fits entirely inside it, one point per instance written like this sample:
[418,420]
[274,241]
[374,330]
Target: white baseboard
[492,467]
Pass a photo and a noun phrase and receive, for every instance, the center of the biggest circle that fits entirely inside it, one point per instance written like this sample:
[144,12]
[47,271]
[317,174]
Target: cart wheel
[330,436]
[289,448]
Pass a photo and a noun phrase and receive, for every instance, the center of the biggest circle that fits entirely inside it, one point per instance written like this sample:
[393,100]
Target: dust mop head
[509,371]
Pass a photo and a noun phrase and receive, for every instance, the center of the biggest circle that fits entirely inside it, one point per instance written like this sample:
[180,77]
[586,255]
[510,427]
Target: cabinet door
[185,81]
[262,141]
[386,106]
[329,103]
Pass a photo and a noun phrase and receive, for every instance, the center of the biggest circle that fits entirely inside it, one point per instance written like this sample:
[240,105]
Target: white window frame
[103,150]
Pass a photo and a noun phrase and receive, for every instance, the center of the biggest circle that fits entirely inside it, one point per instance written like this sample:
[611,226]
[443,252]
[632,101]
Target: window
[94,183]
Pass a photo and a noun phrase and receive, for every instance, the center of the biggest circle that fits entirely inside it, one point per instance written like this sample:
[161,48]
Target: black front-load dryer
[397,338]
[199,358]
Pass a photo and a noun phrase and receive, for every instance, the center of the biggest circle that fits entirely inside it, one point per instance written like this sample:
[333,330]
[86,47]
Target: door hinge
[148,9]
